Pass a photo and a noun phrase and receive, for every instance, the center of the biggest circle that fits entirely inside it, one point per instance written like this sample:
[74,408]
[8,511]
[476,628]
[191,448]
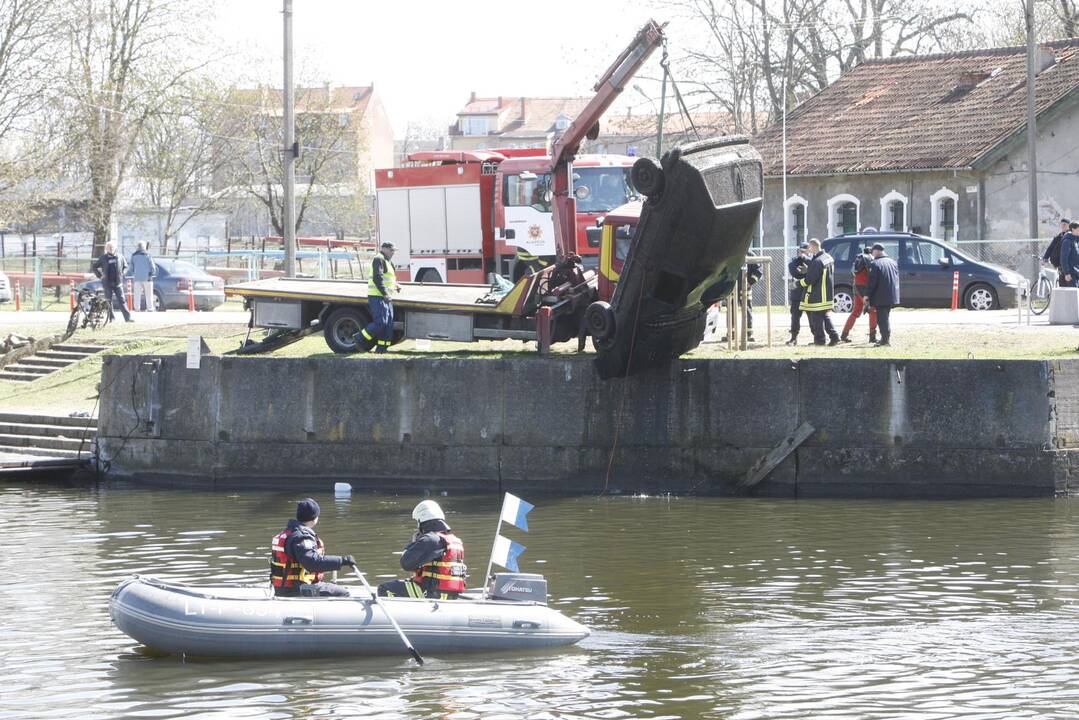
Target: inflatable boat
[252,622]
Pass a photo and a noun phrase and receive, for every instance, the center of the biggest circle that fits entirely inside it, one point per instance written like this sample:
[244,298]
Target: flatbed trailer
[437,311]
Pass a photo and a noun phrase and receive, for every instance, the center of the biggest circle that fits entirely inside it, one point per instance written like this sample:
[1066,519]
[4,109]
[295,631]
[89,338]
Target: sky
[425,57]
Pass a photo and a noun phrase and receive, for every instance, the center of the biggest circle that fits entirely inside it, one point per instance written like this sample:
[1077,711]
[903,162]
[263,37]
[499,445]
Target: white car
[6,291]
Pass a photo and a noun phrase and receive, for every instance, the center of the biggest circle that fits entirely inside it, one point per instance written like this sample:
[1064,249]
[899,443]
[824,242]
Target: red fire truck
[457,216]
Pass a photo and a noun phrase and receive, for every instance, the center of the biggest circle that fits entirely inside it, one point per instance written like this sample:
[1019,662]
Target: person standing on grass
[883,291]
[819,284]
[861,283]
[797,268]
[143,272]
[1069,256]
[110,268]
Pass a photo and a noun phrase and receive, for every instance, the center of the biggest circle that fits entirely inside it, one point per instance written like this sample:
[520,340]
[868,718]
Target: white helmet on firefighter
[427,510]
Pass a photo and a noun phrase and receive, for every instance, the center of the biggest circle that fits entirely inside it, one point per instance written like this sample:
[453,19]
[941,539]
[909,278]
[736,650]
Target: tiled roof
[708,124]
[917,113]
[538,117]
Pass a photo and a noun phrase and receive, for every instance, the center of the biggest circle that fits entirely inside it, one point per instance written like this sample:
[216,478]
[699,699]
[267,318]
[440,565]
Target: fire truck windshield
[600,189]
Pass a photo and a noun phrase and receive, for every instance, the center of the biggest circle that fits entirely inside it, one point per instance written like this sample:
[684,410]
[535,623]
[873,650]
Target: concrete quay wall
[917,428]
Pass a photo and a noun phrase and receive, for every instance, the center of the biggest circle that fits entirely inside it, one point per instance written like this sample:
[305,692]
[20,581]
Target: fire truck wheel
[647,177]
[600,320]
[341,325]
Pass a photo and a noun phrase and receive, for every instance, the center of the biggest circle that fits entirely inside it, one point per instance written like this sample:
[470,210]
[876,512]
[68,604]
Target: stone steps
[45,362]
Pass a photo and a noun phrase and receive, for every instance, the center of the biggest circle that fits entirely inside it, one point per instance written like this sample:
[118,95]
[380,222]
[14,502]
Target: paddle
[412,651]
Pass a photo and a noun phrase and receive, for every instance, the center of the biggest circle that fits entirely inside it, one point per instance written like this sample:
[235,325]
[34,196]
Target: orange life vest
[286,573]
[447,574]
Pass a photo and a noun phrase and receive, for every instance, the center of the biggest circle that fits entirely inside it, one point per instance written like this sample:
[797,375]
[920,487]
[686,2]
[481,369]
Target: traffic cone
[18,297]
[191,296]
[71,298]
[130,296]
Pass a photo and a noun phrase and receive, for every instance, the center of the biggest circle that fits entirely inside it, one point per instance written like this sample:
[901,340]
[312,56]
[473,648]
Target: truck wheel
[341,325]
[647,177]
[599,319]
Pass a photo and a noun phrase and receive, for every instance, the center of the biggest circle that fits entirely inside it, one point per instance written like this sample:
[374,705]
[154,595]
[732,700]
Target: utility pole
[1032,124]
[290,151]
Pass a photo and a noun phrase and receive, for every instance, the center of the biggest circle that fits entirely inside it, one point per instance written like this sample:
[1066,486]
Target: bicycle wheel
[1040,294]
[73,322]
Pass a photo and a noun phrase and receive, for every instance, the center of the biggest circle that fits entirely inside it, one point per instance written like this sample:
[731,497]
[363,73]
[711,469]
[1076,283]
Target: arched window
[944,221]
[843,214]
[893,212]
[794,228]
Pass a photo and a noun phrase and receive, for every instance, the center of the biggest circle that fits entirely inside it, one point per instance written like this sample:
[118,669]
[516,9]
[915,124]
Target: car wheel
[159,302]
[981,297]
[342,325]
[843,300]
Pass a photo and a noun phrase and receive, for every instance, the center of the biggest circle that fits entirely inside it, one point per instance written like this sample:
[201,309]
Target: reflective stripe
[448,573]
[286,573]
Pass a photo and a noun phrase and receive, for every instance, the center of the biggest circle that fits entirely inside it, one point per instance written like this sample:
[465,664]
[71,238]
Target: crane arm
[607,88]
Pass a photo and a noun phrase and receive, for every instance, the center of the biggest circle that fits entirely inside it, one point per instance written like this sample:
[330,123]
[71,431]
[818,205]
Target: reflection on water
[702,608]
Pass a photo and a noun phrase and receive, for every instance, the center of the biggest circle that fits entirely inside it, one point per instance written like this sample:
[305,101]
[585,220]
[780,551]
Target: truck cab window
[529,191]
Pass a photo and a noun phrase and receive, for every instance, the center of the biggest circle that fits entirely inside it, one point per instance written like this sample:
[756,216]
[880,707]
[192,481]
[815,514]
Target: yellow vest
[389,278]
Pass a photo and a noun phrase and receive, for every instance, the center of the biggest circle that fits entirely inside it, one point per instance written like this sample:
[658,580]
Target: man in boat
[436,557]
[297,562]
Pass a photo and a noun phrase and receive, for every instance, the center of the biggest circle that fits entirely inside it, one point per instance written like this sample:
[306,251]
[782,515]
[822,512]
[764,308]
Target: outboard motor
[522,587]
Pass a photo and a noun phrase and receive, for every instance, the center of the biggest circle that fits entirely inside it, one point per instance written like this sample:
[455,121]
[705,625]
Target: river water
[701,608]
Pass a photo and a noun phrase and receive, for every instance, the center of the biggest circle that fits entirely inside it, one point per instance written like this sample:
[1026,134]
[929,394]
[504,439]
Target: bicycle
[1042,291]
[91,310]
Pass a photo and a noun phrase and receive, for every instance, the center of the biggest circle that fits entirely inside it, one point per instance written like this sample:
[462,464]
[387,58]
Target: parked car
[926,267]
[174,278]
[7,292]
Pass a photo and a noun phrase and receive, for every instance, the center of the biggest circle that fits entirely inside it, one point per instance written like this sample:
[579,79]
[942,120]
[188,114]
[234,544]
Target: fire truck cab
[458,216]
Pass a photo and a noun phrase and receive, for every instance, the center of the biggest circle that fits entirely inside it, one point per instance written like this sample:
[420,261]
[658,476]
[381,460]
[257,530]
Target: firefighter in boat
[381,285]
[297,562]
[436,557]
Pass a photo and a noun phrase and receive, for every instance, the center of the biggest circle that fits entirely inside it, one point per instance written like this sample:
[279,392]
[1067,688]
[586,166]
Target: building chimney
[472,97]
[970,78]
[1043,59]
[326,87]
[523,117]
[499,106]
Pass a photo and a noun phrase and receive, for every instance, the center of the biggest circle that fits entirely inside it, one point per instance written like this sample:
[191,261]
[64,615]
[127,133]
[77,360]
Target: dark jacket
[860,270]
[883,288]
[422,550]
[1069,255]
[378,274]
[1053,251]
[302,546]
[819,284]
[110,268]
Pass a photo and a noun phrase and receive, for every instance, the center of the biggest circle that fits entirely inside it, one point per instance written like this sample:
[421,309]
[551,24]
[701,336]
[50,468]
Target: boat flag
[514,511]
[506,552]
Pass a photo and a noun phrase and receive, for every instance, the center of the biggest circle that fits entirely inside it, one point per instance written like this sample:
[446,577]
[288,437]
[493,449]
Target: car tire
[843,299]
[159,301]
[340,326]
[647,177]
[980,297]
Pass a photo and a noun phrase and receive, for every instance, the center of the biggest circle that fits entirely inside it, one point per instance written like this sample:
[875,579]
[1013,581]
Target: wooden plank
[768,463]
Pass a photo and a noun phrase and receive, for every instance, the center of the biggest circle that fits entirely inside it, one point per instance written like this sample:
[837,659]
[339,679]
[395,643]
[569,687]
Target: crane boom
[609,86]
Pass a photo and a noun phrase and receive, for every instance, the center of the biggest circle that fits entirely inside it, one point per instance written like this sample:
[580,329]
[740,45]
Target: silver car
[7,292]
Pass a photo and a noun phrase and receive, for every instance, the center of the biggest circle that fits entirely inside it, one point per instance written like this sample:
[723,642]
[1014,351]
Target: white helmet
[427,510]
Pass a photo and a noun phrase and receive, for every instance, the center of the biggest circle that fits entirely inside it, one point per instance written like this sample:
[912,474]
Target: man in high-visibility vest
[819,295]
[381,284]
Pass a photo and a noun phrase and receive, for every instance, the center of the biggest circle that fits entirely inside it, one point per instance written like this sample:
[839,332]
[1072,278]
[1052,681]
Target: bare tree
[122,64]
[329,132]
[177,155]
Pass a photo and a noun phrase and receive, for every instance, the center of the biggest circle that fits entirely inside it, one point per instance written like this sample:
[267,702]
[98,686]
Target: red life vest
[447,574]
[286,573]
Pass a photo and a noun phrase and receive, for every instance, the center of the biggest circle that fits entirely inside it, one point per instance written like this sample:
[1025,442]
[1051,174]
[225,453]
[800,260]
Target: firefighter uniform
[819,285]
[435,557]
[525,262]
[381,284]
[797,269]
[297,562]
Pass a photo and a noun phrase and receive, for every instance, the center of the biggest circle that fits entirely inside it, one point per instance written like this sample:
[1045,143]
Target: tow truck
[686,244]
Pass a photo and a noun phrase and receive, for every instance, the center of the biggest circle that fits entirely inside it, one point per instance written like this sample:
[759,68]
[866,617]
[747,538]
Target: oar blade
[416,656]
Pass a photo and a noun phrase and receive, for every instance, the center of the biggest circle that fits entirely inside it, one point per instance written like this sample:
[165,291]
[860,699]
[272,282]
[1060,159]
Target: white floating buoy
[342,489]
